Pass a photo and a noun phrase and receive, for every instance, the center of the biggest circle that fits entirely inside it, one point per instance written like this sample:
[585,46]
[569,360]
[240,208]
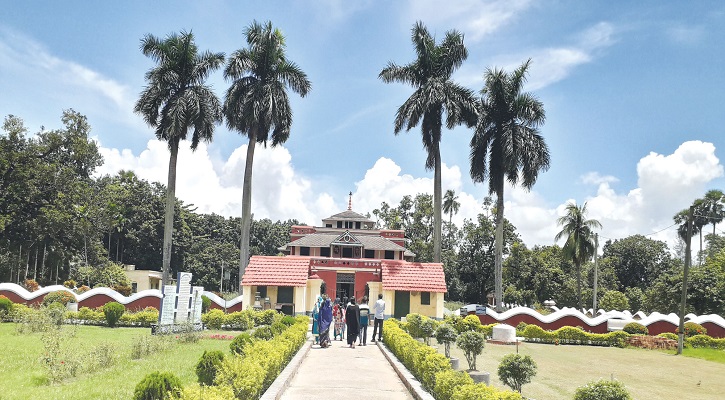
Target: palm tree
[435,92]
[175,100]
[450,205]
[579,245]
[714,208]
[256,104]
[507,145]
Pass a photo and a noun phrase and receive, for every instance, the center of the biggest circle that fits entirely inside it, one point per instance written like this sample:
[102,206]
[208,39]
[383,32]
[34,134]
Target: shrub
[521,326]
[205,304]
[90,315]
[289,320]
[446,383]
[445,335]
[61,296]
[240,341]
[635,328]
[240,320]
[602,390]
[614,300]
[427,329]
[213,319]
[414,322]
[113,312]
[692,329]
[5,305]
[263,333]
[196,392]
[516,370]
[158,385]
[469,324]
[265,317]
[70,284]
[472,345]
[278,328]
[668,335]
[481,391]
[82,289]
[571,335]
[123,289]
[208,365]
[700,341]
[31,285]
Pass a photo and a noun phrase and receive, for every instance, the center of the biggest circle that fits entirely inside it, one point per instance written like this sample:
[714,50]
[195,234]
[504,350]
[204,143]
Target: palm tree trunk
[437,207]
[169,215]
[498,265]
[579,285]
[246,208]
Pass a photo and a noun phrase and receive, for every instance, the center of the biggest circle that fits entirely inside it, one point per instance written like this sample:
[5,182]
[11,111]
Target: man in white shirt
[379,316]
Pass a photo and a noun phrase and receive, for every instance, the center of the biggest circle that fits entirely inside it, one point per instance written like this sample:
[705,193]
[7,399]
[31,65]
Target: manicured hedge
[574,335]
[434,370]
[250,374]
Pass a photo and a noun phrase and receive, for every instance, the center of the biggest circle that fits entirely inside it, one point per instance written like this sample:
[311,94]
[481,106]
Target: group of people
[346,316]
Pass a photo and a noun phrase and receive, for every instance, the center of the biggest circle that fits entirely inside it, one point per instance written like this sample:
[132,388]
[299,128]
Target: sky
[633,97]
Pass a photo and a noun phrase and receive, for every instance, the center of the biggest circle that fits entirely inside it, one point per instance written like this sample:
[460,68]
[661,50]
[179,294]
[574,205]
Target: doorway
[345,285]
[402,304]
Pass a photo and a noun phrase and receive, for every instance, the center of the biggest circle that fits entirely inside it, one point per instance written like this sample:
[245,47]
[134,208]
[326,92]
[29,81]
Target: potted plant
[445,335]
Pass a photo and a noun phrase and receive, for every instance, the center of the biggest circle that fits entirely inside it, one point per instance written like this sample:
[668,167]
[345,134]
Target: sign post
[180,307]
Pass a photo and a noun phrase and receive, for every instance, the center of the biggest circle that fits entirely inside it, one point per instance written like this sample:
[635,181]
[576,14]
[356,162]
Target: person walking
[379,310]
[338,313]
[352,320]
[364,321]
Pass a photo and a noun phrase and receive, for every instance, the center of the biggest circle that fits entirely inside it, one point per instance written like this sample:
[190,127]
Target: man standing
[379,315]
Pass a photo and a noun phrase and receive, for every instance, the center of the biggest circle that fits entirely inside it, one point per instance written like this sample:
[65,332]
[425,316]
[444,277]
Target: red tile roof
[416,277]
[276,271]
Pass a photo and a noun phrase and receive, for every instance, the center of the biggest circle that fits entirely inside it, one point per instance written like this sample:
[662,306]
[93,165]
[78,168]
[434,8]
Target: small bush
[469,324]
[516,370]
[602,390]
[472,345]
[61,296]
[668,335]
[265,317]
[445,335]
[158,386]
[278,328]
[692,329]
[635,328]
[289,320]
[241,320]
[208,366]
[213,319]
[5,305]
[240,341]
[31,285]
[521,326]
[480,391]
[700,341]
[427,329]
[82,289]
[123,289]
[196,392]
[447,381]
[263,333]
[113,312]
[414,322]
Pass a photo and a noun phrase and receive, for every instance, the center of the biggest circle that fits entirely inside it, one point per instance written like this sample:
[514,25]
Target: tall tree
[713,207]
[579,246]
[507,145]
[175,100]
[451,204]
[257,104]
[435,92]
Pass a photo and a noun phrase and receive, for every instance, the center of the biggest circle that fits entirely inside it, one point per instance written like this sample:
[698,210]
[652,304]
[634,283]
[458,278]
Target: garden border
[281,383]
[414,386]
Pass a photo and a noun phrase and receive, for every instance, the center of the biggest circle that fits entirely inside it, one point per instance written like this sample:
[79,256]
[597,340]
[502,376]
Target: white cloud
[476,18]
[687,35]
[667,184]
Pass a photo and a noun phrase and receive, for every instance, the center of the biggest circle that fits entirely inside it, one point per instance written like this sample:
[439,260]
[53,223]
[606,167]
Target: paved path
[339,372]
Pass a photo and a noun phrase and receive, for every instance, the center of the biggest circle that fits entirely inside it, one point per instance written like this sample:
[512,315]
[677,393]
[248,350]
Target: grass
[23,375]
[647,374]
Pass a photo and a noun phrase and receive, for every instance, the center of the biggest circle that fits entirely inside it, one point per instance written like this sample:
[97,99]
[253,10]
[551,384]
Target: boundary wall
[98,297]
[656,323]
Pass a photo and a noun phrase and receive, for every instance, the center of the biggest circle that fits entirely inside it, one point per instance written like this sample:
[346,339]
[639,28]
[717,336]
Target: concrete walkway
[339,372]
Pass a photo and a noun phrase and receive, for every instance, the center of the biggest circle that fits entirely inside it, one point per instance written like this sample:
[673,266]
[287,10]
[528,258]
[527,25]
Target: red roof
[276,271]
[416,277]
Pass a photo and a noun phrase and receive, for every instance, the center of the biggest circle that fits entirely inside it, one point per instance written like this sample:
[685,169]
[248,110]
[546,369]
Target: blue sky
[633,96]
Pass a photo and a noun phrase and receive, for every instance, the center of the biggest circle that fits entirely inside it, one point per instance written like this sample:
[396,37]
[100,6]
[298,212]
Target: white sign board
[180,303]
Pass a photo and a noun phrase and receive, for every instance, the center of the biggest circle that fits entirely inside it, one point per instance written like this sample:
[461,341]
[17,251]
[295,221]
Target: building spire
[349,202]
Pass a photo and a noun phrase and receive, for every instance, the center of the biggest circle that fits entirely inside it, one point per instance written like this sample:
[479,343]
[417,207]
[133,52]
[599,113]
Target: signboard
[180,305]
[480,310]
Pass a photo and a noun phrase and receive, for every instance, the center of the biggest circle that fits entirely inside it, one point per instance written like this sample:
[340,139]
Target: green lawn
[647,374]
[23,374]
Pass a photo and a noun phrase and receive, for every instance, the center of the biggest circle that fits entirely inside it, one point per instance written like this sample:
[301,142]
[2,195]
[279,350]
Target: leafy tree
[713,207]
[435,92]
[450,205]
[579,246]
[614,300]
[472,343]
[257,103]
[175,100]
[516,370]
[507,146]
[637,260]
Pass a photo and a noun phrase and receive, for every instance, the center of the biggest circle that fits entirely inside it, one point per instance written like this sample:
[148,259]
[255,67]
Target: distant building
[142,279]
[353,259]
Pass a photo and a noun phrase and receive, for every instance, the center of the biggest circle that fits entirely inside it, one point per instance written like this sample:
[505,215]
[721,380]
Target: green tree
[507,146]
[614,300]
[579,246]
[176,99]
[257,103]
[516,370]
[435,92]
[637,260]
[713,207]
[450,206]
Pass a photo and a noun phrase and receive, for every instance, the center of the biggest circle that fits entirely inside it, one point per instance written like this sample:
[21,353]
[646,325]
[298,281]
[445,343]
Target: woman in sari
[316,320]
[339,314]
[325,322]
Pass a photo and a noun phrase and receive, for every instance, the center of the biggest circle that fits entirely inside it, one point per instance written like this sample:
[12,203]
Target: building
[352,259]
[142,279]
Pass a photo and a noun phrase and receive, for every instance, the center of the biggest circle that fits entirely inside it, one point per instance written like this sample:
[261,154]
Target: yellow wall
[434,310]
[313,290]
[300,297]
